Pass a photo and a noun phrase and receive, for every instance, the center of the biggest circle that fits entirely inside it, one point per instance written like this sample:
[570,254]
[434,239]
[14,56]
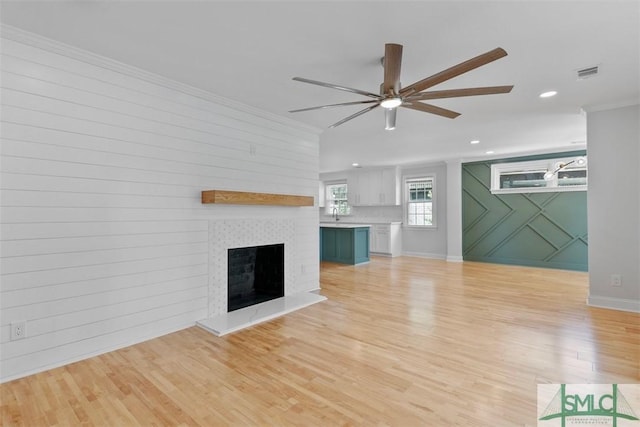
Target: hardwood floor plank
[400,341]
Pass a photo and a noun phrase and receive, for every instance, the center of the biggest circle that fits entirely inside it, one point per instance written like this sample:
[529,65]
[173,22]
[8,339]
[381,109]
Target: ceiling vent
[587,73]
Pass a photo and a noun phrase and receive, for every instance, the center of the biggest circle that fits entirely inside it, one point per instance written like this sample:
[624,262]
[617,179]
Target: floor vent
[586,73]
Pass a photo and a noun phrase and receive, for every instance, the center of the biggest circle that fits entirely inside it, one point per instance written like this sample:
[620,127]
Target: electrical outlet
[18,330]
[616,280]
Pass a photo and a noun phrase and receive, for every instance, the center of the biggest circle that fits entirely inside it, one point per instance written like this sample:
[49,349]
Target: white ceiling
[249,51]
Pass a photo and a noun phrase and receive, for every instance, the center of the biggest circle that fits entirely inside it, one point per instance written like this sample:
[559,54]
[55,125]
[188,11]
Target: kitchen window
[336,198]
[419,201]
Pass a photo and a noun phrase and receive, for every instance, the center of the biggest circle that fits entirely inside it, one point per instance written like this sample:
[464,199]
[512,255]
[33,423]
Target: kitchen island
[344,243]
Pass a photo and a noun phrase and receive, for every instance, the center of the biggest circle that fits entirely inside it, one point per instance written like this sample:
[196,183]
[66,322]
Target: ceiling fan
[393,96]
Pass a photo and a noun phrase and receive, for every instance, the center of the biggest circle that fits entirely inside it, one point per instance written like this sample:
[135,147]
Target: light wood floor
[403,341]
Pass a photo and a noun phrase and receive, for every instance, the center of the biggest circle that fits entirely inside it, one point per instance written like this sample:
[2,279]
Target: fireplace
[254,274]
[228,235]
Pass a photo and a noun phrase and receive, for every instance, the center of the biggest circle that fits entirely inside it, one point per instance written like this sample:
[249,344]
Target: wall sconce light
[579,161]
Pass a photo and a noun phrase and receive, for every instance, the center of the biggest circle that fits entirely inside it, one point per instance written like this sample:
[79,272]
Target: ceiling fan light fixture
[390,103]
[391,95]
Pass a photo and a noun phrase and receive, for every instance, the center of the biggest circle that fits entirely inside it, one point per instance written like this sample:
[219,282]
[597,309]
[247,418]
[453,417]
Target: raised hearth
[249,316]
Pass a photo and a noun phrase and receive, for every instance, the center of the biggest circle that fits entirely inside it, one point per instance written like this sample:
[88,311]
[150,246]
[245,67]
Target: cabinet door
[364,188]
[383,243]
[353,188]
[374,190]
[344,245]
[363,193]
[390,187]
[329,248]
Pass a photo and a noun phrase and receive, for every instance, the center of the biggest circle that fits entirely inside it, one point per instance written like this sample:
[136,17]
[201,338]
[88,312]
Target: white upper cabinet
[390,187]
[374,187]
[353,188]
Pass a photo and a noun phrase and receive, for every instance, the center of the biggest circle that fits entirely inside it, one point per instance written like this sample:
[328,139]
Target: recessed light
[489,152]
[355,165]
[475,141]
[548,94]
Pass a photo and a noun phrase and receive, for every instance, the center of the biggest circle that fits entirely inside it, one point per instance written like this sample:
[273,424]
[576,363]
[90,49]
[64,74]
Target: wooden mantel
[248,198]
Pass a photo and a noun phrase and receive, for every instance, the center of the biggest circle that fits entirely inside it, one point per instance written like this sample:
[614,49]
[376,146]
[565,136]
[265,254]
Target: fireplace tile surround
[235,233]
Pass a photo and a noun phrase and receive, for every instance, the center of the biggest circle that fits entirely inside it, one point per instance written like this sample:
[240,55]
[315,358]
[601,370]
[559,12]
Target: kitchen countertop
[386,222]
[342,225]
[362,224]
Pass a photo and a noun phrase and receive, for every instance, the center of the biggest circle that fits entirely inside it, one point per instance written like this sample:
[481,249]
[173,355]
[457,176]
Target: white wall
[454,211]
[104,241]
[613,138]
[429,242]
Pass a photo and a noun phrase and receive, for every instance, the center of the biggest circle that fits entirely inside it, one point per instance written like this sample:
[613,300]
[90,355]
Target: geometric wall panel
[536,247]
[533,229]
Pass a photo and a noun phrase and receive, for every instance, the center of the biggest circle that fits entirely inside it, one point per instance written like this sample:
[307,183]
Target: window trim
[327,208]
[405,202]
[499,169]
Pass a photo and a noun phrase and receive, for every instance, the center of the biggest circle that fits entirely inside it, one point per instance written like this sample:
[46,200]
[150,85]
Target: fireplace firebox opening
[255,274]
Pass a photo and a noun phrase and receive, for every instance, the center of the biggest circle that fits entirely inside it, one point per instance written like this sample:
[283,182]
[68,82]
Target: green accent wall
[532,229]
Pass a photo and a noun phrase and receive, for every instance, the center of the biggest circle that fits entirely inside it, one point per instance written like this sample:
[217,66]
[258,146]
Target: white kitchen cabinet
[390,187]
[385,239]
[374,187]
[353,188]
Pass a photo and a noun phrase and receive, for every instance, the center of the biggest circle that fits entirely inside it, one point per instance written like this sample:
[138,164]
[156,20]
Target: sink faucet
[335,214]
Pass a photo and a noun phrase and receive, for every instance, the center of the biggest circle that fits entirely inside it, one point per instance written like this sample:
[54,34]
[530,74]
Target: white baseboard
[454,259]
[622,304]
[125,343]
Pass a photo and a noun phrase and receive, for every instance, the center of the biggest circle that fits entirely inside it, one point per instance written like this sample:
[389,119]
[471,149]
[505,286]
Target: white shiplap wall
[104,241]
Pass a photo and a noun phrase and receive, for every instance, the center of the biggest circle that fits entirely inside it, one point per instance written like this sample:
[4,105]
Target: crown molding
[611,106]
[35,40]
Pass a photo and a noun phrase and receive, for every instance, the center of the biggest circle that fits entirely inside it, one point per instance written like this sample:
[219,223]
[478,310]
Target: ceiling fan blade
[392,63]
[332,105]
[453,93]
[390,118]
[428,108]
[332,86]
[454,71]
[353,116]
